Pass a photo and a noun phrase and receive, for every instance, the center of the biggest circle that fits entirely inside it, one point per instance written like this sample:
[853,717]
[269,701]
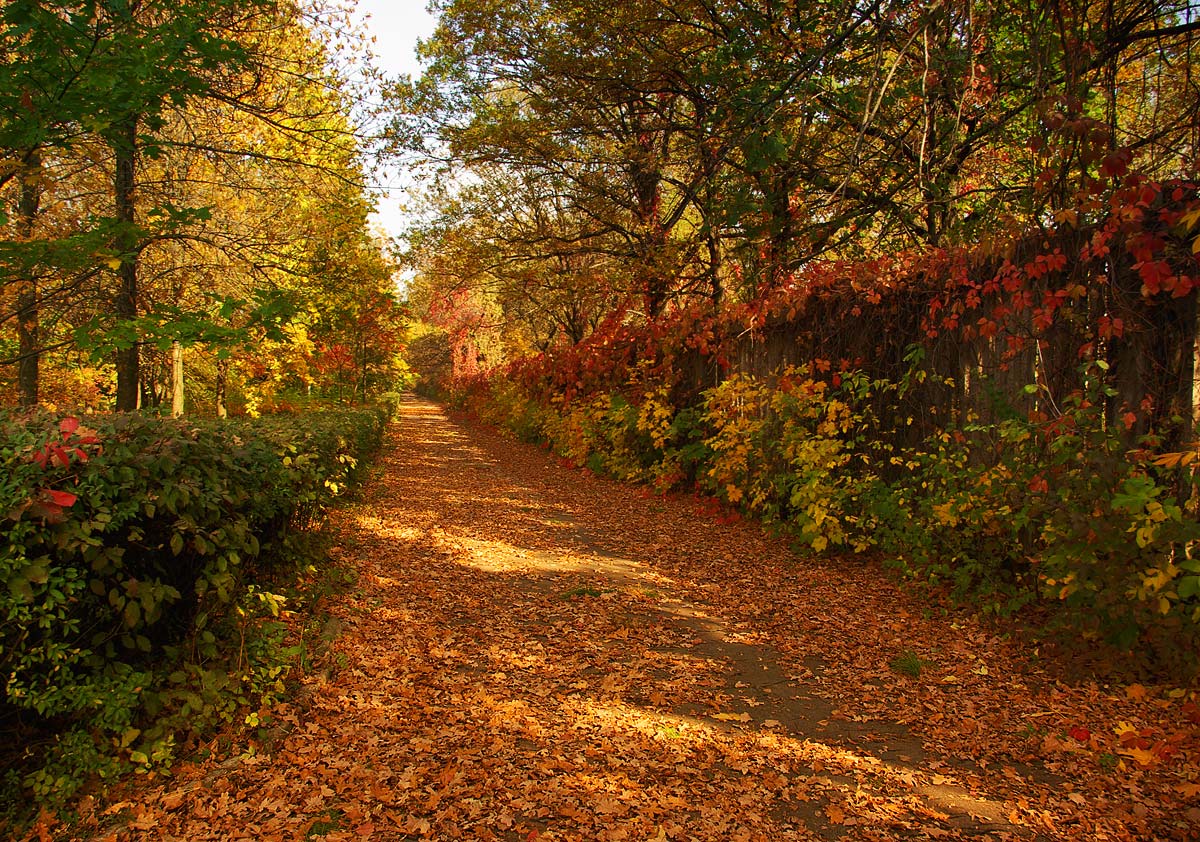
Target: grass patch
[581,592]
[907,663]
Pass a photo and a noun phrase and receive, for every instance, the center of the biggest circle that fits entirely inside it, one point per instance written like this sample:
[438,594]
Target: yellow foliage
[944,514]
[655,416]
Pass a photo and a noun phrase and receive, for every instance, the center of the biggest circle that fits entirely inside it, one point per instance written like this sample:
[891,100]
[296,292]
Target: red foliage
[1113,256]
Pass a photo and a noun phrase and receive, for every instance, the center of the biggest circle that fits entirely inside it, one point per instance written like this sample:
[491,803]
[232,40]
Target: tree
[173,143]
[700,151]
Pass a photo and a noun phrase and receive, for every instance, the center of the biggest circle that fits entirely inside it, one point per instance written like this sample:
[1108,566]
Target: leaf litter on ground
[532,652]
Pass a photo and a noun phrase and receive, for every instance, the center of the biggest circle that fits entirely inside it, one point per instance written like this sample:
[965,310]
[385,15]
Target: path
[533,653]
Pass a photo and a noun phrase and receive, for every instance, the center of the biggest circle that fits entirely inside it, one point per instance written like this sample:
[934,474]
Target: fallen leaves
[732,717]
[467,698]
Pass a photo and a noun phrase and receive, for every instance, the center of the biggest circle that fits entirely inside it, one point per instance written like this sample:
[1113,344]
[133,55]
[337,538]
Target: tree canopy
[668,152]
[185,174]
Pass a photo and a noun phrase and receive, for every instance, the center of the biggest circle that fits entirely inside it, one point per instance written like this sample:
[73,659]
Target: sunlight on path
[532,653]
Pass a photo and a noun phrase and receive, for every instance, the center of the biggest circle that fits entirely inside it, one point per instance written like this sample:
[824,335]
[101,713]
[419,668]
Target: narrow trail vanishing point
[534,653]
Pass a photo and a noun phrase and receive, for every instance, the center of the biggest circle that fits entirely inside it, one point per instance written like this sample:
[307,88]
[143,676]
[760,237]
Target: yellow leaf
[1156,579]
[113,263]
[1141,756]
[1145,536]
[732,717]
[1168,460]
[944,515]
[1067,216]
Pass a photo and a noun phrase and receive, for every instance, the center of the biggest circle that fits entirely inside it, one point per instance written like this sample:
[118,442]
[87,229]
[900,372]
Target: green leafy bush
[1057,511]
[132,552]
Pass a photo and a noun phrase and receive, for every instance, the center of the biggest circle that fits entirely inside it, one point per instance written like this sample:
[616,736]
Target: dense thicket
[917,278]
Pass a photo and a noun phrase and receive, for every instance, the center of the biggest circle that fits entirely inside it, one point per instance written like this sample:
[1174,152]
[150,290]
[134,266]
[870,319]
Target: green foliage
[907,663]
[134,565]
[1029,509]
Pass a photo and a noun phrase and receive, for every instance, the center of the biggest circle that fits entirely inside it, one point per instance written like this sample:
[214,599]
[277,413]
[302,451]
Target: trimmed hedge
[125,537]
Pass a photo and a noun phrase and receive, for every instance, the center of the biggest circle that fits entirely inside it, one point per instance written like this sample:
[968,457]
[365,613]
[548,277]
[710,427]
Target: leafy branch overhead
[159,161]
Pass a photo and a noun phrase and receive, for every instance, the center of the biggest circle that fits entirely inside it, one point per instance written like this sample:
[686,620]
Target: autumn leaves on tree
[668,154]
[181,174]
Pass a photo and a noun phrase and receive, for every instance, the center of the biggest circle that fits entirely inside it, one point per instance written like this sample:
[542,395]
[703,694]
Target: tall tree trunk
[28,320]
[176,379]
[776,186]
[125,304]
[645,178]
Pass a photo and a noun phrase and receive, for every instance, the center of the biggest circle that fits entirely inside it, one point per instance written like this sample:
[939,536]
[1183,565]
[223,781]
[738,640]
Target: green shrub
[130,548]
[1057,511]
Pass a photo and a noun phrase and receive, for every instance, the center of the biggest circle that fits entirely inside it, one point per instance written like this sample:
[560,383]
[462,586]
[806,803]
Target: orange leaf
[732,717]
[1141,756]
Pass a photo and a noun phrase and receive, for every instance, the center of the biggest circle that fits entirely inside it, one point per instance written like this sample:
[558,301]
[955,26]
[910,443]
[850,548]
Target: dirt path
[533,653]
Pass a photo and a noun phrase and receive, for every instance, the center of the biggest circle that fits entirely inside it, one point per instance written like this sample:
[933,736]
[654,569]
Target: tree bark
[125,304]
[28,317]
[176,379]
[222,387]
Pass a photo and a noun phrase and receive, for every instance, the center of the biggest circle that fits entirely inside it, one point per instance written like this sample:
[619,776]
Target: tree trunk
[28,320]
[125,304]
[645,179]
[176,379]
[222,386]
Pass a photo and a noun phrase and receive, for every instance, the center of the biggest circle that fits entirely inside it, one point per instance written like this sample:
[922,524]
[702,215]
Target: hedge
[127,540]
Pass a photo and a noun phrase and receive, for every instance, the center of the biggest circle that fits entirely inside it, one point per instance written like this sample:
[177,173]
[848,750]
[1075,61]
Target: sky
[397,25]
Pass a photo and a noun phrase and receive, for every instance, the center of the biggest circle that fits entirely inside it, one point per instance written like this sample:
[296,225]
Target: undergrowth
[1053,515]
[159,575]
